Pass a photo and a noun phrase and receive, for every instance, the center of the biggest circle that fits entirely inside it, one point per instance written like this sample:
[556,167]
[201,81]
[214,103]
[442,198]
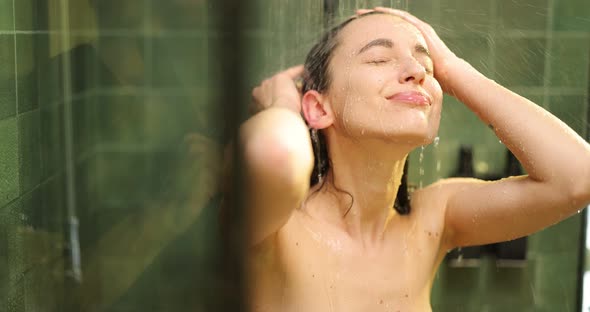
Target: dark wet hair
[317,77]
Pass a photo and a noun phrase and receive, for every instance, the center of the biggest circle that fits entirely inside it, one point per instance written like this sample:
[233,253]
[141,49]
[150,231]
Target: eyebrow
[422,50]
[383,42]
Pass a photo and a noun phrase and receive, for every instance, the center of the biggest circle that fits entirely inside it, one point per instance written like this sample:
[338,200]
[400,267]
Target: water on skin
[438,162]
[421,165]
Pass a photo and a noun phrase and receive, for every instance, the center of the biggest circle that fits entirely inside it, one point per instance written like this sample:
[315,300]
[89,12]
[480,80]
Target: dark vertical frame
[230,91]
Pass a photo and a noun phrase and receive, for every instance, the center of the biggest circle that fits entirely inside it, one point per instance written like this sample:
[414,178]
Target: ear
[316,110]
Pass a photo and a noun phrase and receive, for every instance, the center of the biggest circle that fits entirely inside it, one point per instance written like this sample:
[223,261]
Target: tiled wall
[106,119]
[99,108]
[31,169]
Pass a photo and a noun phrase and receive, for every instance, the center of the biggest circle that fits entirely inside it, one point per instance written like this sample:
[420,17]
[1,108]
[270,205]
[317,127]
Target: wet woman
[372,93]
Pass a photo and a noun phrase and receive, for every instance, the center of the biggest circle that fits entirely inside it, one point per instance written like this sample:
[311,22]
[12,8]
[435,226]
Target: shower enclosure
[115,117]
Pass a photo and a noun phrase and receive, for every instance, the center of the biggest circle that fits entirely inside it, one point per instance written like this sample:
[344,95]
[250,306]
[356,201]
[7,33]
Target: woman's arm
[556,158]
[277,154]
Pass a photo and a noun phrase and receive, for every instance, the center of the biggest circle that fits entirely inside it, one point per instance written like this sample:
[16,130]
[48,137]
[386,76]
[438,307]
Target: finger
[392,11]
[395,12]
[294,71]
[363,11]
[383,9]
[255,92]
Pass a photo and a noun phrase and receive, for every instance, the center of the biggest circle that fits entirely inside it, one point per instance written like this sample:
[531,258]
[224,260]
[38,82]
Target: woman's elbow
[581,194]
[277,148]
[580,188]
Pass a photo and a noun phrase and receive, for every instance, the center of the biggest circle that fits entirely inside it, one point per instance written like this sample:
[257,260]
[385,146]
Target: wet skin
[312,266]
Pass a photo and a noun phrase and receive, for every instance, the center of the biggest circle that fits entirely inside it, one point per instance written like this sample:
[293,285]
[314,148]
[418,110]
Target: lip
[411,97]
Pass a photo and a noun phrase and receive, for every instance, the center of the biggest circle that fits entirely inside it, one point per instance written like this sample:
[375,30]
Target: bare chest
[304,272]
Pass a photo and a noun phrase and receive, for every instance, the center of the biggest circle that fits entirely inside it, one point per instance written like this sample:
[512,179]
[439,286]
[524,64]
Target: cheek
[435,90]
[349,92]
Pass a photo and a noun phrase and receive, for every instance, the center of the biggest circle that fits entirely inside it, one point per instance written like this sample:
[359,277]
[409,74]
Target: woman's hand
[280,90]
[442,57]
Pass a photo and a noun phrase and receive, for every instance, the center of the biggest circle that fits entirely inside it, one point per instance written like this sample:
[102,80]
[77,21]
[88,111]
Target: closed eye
[378,62]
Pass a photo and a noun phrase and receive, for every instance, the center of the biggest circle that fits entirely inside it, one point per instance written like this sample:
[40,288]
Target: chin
[413,138]
[429,138]
[410,131]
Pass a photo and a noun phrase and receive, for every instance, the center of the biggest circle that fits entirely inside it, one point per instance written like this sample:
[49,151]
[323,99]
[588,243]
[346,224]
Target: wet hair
[317,77]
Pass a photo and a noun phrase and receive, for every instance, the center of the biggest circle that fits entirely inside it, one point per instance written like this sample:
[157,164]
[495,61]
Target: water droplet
[436,141]
[421,159]
[421,154]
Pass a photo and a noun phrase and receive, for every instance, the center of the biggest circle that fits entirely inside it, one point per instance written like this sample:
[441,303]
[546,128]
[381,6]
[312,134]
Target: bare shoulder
[437,194]
[430,200]
[429,204]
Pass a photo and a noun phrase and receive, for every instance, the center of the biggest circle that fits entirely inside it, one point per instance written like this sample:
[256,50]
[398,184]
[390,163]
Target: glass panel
[112,153]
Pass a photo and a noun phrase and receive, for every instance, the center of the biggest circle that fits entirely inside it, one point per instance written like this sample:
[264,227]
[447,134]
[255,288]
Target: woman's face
[382,82]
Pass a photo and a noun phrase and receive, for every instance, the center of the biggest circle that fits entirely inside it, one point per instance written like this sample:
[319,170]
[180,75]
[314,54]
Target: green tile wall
[520,61]
[522,14]
[471,48]
[129,16]
[31,227]
[29,152]
[571,16]
[28,98]
[26,16]
[459,15]
[7,85]
[569,57]
[571,109]
[7,15]
[9,181]
[279,39]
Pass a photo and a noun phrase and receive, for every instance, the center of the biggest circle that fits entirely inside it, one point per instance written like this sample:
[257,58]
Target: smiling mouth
[411,97]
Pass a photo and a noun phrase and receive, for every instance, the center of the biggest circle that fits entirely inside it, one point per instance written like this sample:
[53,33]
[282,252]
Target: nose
[412,72]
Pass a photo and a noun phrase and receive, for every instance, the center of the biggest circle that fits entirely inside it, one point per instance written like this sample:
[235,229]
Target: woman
[373,89]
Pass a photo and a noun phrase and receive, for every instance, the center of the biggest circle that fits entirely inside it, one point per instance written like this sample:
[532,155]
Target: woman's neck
[371,173]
